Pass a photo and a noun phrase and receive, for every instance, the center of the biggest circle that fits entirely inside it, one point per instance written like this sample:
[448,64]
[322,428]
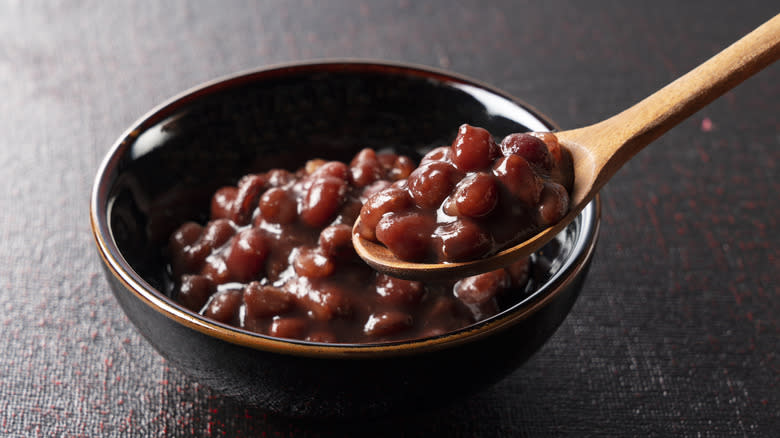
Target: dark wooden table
[677,332]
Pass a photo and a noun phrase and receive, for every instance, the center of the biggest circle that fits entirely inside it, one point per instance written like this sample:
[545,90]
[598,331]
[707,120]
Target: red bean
[310,262]
[224,305]
[432,182]
[336,240]
[402,168]
[386,160]
[216,270]
[563,171]
[326,302]
[289,327]
[194,291]
[323,199]
[249,190]
[312,165]
[551,141]
[366,155]
[265,300]
[192,259]
[399,292]
[476,195]
[446,313]
[389,200]
[529,147]
[519,272]
[473,149]
[349,211]
[553,205]
[363,174]
[278,206]
[186,235]
[441,153]
[480,288]
[372,189]
[257,325]
[461,240]
[408,236]
[519,178]
[276,263]
[222,202]
[400,184]
[450,207]
[188,253]
[335,169]
[217,233]
[278,177]
[365,168]
[387,323]
[483,310]
[247,255]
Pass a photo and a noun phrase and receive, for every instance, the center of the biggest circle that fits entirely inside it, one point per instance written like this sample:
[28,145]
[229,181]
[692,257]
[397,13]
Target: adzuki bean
[482,197]
[276,256]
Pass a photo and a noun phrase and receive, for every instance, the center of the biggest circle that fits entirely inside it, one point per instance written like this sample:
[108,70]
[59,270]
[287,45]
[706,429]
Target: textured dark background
[677,332]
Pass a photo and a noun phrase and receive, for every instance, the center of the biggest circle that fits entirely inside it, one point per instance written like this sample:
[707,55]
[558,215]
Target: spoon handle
[612,142]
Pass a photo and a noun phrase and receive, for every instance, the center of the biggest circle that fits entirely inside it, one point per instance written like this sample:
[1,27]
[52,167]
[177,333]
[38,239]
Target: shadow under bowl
[163,170]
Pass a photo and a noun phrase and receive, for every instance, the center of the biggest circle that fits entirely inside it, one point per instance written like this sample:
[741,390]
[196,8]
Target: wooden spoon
[599,150]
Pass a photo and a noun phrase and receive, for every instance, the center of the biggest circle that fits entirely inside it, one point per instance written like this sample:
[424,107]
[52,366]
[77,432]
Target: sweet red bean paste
[473,198]
[275,255]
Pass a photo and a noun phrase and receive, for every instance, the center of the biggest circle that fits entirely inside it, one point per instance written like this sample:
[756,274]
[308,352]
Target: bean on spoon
[601,149]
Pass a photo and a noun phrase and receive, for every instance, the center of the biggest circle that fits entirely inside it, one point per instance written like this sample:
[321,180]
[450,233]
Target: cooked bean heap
[473,198]
[275,257]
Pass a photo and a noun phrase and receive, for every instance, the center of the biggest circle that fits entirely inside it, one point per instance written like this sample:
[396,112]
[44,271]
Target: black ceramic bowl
[162,171]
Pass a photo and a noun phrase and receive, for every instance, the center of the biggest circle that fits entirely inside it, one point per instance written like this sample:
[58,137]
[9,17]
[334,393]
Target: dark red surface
[675,333]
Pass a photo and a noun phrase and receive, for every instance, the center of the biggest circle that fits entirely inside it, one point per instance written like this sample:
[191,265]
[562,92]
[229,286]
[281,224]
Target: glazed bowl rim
[133,282]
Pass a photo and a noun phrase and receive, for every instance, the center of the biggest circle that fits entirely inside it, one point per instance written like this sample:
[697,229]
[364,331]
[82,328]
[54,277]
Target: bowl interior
[163,171]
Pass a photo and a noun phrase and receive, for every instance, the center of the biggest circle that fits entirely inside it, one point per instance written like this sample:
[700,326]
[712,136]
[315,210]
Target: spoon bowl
[600,150]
